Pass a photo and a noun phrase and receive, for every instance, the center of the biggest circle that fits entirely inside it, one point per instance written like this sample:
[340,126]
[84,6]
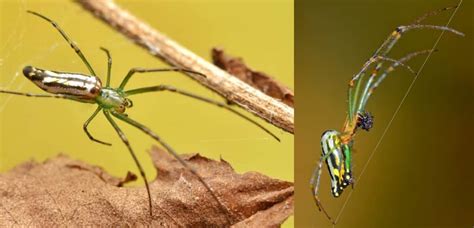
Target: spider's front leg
[86,124]
[198,97]
[381,52]
[356,81]
[150,70]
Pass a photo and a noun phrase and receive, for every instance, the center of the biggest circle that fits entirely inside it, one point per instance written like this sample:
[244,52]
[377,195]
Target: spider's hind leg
[314,185]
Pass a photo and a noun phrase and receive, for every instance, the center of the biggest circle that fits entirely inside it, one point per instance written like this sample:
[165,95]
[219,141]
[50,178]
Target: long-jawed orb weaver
[113,102]
[337,146]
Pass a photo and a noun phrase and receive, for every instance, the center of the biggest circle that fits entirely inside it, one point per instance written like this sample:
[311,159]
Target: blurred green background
[259,31]
[421,175]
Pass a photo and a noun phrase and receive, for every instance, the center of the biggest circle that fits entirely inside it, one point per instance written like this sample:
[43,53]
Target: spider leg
[127,143]
[372,78]
[37,95]
[387,45]
[387,71]
[61,96]
[109,64]
[314,184]
[147,131]
[188,94]
[353,97]
[400,30]
[71,43]
[433,13]
[400,61]
[87,124]
[144,70]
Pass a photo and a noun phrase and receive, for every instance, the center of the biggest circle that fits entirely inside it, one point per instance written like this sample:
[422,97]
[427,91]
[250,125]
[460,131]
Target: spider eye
[128,103]
[120,109]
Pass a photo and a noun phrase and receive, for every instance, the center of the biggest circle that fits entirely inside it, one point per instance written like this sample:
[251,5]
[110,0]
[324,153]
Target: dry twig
[233,89]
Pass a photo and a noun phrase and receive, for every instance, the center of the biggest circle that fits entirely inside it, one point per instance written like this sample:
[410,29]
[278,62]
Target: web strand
[396,112]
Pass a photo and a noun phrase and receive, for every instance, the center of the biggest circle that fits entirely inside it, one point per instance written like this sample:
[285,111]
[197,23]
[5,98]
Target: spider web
[18,30]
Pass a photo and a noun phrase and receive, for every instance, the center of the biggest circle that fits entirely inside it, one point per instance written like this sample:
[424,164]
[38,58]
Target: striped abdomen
[337,161]
[83,87]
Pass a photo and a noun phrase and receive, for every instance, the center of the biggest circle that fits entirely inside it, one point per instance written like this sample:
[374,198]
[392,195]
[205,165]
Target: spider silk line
[396,111]
[12,34]
[17,73]
[22,8]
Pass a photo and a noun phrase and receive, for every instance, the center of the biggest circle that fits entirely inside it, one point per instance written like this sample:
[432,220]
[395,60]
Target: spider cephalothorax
[365,120]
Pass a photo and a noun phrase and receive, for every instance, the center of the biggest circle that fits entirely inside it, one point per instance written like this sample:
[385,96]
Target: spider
[337,146]
[113,102]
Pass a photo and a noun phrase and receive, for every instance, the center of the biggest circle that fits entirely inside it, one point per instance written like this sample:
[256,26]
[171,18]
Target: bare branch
[230,87]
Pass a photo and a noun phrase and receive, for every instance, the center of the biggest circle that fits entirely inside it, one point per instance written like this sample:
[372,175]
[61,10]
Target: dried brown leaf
[257,79]
[66,192]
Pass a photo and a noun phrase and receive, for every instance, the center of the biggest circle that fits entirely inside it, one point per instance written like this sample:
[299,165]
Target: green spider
[113,102]
[337,146]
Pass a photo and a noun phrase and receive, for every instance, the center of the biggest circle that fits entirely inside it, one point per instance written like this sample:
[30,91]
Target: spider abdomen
[83,87]
[337,161]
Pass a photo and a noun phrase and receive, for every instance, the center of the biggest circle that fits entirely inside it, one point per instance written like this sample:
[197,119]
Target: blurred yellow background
[31,128]
[421,174]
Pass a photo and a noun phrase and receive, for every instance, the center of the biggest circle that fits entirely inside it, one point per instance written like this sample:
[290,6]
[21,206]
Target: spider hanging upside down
[114,101]
[337,146]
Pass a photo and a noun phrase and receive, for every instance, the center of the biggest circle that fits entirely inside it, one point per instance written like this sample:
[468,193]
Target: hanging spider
[337,146]
[113,102]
